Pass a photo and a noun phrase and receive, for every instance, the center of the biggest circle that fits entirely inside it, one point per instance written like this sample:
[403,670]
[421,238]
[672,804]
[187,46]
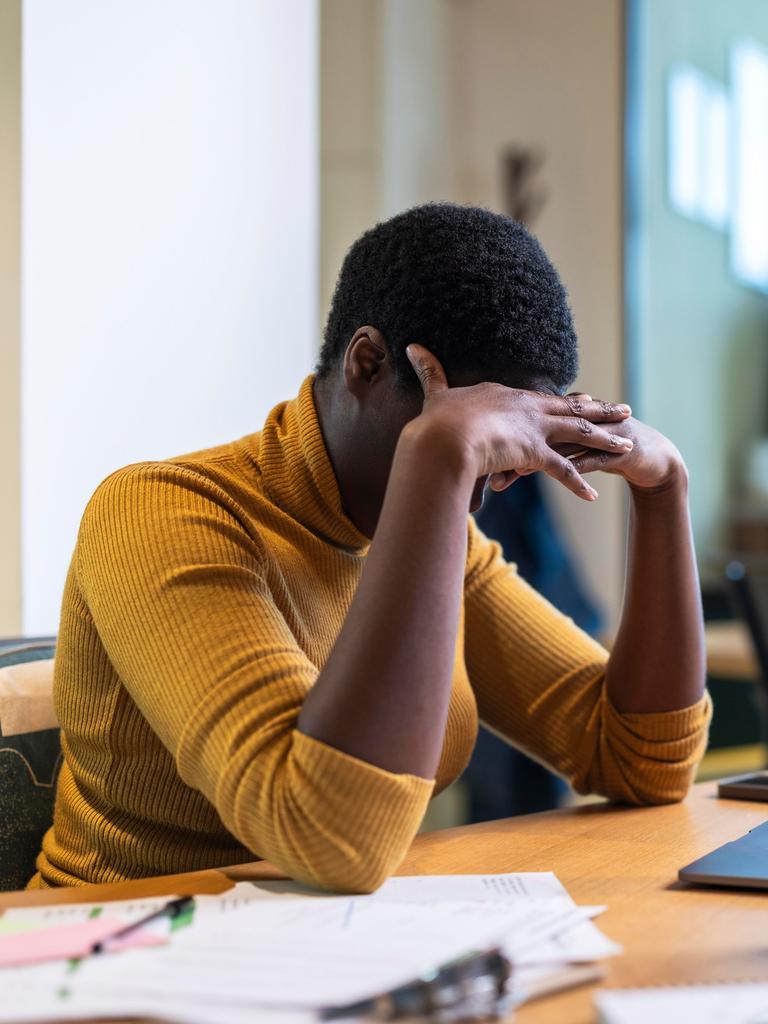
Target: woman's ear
[366,360]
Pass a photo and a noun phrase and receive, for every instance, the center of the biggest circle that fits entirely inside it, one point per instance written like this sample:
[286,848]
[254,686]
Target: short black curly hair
[475,287]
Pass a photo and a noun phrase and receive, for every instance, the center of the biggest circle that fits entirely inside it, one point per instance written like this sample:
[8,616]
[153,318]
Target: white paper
[576,941]
[552,939]
[534,981]
[314,953]
[705,1004]
[497,888]
[581,943]
[281,946]
[296,954]
[39,996]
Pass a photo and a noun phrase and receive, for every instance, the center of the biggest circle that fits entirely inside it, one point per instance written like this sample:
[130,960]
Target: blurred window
[749,227]
[697,255]
[698,150]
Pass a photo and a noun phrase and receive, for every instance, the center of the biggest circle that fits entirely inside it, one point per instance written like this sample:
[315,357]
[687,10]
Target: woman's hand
[505,432]
[653,462]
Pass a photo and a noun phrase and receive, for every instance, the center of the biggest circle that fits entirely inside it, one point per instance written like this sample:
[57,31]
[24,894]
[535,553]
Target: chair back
[747,584]
[30,755]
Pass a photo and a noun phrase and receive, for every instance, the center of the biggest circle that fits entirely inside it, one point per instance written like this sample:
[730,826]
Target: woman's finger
[592,461]
[428,369]
[566,473]
[592,409]
[577,430]
[569,450]
[501,481]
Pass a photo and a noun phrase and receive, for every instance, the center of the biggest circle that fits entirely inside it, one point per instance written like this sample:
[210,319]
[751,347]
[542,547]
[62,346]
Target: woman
[279,647]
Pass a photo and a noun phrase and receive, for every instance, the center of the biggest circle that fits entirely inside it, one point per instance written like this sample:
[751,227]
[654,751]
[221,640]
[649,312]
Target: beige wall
[543,73]
[349,131]
[549,74]
[10,303]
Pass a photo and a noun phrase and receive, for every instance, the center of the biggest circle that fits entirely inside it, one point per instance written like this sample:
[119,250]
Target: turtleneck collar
[298,475]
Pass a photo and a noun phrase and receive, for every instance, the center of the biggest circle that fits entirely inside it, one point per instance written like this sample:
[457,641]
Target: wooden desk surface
[627,858]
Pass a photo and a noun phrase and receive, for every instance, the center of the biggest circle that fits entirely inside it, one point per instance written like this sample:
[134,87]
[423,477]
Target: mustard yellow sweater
[204,596]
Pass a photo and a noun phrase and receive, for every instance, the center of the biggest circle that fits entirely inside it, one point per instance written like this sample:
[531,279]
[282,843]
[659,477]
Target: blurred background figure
[179,183]
[501,781]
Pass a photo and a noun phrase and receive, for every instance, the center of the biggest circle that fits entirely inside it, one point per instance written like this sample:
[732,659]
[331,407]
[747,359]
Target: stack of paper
[282,951]
[559,933]
[740,1003]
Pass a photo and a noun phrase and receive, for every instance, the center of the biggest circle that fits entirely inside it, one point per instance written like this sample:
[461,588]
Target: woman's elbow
[329,820]
[353,873]
[670,788]
[325,855]
[651,797]
[647,785]
[359,883]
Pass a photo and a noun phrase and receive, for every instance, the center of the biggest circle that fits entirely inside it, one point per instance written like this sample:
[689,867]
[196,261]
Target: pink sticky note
[68,941]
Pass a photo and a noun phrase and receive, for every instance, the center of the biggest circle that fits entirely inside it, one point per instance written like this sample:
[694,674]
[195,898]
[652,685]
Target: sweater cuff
[651,758]
[355,822]
[319,755]
[660,727]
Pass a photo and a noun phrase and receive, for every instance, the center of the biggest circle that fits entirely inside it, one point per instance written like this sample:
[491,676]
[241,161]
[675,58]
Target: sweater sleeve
[177,588]
[540,682]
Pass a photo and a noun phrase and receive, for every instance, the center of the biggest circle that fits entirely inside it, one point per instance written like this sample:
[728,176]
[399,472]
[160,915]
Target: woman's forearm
[658,660]
[383,694]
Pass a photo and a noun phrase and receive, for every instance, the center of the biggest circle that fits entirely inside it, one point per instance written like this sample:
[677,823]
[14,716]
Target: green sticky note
[184,919]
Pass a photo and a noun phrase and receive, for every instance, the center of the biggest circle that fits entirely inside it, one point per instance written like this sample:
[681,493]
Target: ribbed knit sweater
[204,596]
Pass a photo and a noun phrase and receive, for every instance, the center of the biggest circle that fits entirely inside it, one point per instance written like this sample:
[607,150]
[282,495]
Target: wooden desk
[627,858]
[730,654]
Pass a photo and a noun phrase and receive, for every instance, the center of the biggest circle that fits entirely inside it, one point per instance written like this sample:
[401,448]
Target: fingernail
[626,443]
[625,408]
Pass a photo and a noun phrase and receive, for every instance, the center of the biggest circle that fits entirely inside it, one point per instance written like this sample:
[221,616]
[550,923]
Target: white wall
[169,242]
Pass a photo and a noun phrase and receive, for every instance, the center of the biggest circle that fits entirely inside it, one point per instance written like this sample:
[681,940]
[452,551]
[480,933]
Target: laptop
[742,863]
